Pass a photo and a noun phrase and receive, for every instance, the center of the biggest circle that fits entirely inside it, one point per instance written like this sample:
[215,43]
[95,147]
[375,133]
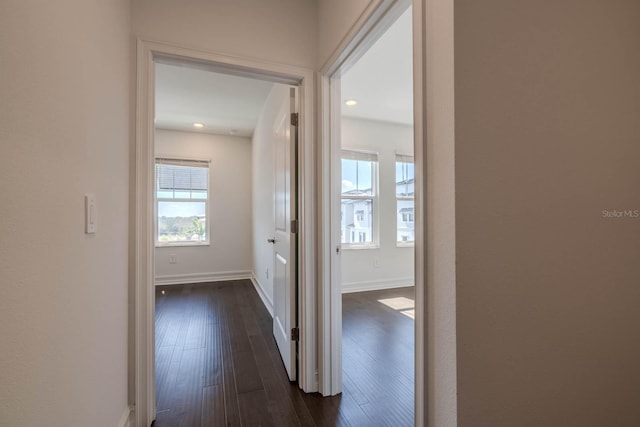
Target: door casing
[372,24]
[434,149]
[142,296]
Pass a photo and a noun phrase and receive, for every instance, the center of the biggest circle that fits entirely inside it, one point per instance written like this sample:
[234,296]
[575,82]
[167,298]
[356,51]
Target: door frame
[434,153]
[142,306]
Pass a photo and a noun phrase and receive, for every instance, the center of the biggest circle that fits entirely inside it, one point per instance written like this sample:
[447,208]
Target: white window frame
[404,158]
[374,158]
[183,161]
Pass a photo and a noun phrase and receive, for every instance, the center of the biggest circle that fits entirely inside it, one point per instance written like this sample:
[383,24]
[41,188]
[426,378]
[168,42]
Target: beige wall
[295,32]
[64,131]
[276,30]
[335,19]
[547,101]
[547,137]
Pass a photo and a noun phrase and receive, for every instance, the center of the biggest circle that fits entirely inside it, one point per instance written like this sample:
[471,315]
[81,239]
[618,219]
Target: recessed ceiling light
[198,125]
[350,102]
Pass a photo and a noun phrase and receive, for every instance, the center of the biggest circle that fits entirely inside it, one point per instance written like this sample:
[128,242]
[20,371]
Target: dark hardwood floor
[217,363]
[378,356]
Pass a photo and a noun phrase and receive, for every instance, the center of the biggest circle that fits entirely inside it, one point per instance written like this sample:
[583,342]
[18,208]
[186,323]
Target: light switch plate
[90,213]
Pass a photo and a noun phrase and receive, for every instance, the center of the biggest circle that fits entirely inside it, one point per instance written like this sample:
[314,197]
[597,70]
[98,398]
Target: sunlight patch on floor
[409,313]
[404,305]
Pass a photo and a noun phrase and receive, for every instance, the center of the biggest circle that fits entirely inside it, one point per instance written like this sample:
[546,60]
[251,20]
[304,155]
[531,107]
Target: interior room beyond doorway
[225,159]
[377,229]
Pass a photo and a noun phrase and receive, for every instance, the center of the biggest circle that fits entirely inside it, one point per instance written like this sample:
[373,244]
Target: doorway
[434,154]
[225,156]
[376,228]
[370,246]
[151,58]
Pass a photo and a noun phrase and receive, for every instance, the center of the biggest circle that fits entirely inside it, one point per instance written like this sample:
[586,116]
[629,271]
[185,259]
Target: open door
[285,322]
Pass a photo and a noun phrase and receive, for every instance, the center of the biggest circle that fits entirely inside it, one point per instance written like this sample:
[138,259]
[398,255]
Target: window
[405,194]
[407,214]
[359,180]
[182,199]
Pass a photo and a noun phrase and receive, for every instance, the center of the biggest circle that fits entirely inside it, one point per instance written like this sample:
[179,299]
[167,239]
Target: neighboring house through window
[182,202]
[405,194]
[359,180]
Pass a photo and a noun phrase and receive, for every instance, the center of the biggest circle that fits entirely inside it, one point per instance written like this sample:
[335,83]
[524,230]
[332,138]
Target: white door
[285,242]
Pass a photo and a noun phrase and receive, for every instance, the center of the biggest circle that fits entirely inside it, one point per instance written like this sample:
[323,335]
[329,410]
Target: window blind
[404,158]
[359,155]
[183,162]
[182,175]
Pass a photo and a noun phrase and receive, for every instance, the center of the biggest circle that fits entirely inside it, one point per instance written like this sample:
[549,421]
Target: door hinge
[295,334]
[294,226]
[294,119]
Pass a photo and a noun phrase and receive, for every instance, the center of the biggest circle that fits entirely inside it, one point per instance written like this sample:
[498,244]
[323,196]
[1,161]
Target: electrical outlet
[376,262]
[173,259]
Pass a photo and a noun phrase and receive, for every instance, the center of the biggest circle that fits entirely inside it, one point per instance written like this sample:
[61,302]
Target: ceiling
[225,104]
[380,81]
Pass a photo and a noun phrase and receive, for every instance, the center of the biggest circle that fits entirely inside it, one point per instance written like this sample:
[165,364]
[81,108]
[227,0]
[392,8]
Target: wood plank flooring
[378,356]
[217,363]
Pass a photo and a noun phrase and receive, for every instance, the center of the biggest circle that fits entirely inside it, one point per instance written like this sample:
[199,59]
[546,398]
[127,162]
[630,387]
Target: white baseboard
[375,285]
[125,418]
[180,279]
[268,303]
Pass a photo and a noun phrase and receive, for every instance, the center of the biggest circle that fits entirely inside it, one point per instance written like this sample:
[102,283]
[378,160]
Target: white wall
[64,131]
[229,252]
[276,30]
[262,164]
[388,265]
[547,132]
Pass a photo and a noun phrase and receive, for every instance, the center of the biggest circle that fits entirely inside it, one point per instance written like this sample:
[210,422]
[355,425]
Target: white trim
[435,254]
[421,409]
[355,34]
[268,303]
[376,285]
[329,277]
[144,297]
[307,302]
[125,419]
[182,244]
[180,279]
[373,22]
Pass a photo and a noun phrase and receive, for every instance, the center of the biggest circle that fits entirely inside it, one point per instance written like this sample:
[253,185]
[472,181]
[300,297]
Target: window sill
[405,245]
[182,244]
[345,247]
